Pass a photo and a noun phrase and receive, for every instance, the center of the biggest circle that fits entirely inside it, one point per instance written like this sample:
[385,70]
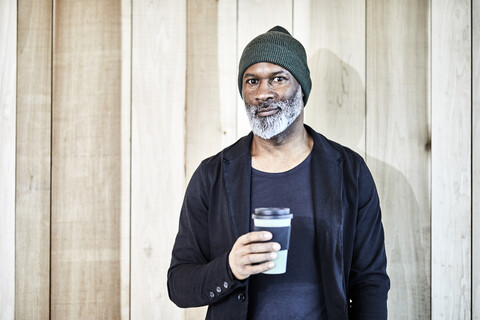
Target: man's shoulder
[332,149]
[211,168]
[230,153]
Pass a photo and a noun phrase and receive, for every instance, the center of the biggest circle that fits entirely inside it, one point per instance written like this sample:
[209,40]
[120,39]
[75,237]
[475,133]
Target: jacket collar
[237,162]
[323,146]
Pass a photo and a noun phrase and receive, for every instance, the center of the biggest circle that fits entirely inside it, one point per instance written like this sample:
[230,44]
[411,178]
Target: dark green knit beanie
[279,47]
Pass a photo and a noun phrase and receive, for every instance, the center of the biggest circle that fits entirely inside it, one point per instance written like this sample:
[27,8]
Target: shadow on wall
[336,108]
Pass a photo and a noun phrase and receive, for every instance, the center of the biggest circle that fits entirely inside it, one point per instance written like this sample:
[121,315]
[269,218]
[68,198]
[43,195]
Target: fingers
[256,258]
[258,252]
[256,236]
[251,254]
[249,270]
[244,266]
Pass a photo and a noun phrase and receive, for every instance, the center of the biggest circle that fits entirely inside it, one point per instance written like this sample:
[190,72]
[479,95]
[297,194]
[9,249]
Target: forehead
[265,69]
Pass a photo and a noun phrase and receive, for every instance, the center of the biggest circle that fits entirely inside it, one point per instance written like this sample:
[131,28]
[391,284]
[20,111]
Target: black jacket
[216,211]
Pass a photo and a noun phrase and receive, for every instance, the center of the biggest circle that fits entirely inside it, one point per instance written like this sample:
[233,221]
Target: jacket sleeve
[194,277]
[368,280]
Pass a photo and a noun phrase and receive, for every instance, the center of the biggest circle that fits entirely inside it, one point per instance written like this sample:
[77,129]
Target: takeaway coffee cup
[277,221]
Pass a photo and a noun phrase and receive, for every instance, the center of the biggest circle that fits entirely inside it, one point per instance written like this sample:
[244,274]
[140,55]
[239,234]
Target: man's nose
[265,91]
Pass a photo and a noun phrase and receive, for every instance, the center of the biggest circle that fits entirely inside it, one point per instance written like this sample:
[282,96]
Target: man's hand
[251,254]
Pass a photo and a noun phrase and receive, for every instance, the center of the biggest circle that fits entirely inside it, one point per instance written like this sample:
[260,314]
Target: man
[336,265]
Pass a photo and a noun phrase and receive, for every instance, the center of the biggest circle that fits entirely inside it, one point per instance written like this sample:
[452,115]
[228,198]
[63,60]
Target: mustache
[282,104]
[266,104]
[271,104]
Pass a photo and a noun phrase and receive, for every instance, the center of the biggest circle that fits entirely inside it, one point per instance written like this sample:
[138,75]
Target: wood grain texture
[227,69]
[211,93]
[158,152]
[8,61]
[211,79]
[126,109]
[254,18]
[182,64]
[398,146]
[451,160]
[34,104]
[86,160]
[333,33]
[476,160]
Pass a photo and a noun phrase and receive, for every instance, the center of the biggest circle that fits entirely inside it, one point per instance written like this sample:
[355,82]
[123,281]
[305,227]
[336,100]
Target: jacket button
[225,285]
[241,297]
[218,289]
[212,295]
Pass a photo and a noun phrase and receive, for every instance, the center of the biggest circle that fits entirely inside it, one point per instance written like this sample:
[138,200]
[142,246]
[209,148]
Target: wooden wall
[398,145]
[476,159]
[33,159]
[8,62]
[107,107]
[158,150]
[451,159]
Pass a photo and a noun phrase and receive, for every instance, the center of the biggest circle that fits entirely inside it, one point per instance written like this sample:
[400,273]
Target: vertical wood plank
[211,86]
[86,160]
[227,69]
[254,18]
[476,160]
[398,146]
[333,33]
[211,98]
[451,160]
[211,79]
[34,98]
[158,167]
[8,62]
[126,109]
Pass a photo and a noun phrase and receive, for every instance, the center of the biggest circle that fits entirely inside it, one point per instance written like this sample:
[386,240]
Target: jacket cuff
[226,283]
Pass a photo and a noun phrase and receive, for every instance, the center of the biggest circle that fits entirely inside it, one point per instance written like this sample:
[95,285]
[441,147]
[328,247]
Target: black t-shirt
[297,293]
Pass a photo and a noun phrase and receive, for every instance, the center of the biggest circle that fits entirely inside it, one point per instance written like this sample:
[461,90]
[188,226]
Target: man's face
[273,98]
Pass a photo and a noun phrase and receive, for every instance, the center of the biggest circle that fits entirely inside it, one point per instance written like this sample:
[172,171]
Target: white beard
[271,126]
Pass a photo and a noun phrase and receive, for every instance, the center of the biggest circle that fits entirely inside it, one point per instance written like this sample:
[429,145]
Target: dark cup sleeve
[280,235]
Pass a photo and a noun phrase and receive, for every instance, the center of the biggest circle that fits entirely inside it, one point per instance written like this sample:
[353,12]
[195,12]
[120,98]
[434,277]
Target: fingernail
[276,246]
[273,255]
[271,265]
[267,235]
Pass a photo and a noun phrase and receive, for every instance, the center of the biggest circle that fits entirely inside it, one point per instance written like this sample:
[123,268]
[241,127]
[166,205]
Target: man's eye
[278,79]
[252,81]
